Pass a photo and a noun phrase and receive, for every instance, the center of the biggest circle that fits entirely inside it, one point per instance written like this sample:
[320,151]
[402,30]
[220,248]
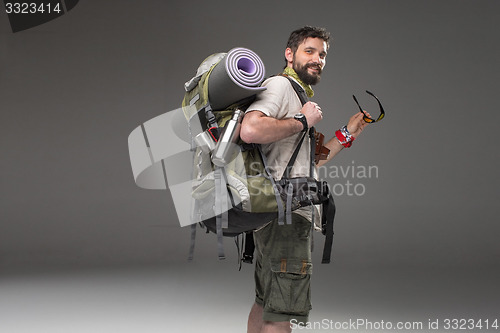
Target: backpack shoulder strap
[298,90]
[301,93]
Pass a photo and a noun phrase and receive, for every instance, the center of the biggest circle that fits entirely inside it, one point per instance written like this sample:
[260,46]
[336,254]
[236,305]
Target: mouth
[314,68]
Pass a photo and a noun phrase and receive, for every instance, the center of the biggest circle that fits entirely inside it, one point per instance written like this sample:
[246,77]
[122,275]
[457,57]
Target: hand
[356,124]
[313,113]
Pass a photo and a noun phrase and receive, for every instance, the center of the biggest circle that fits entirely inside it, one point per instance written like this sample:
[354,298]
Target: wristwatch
[302,118]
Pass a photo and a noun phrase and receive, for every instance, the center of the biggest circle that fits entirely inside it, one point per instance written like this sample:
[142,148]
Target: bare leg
[256,325]
[276,327]
[255,319]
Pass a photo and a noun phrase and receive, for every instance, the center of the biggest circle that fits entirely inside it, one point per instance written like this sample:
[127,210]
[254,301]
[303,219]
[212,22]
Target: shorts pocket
[290,287]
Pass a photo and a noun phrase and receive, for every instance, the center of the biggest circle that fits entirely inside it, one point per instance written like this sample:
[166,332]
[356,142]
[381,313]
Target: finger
[357,116]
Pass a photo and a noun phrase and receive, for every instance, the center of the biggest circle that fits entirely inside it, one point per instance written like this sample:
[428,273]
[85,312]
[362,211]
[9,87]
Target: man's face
[309,60]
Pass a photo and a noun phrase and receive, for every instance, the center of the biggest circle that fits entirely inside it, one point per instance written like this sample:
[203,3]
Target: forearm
[258,128]
[355,126]
[335,147]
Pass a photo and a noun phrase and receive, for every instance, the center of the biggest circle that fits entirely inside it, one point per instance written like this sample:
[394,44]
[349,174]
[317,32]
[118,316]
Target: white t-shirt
[280,101]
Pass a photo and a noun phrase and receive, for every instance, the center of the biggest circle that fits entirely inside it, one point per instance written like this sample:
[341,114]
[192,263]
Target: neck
[290,72]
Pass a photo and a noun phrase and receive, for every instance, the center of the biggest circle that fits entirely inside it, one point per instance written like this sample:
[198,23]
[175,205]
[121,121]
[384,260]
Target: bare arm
[259,128]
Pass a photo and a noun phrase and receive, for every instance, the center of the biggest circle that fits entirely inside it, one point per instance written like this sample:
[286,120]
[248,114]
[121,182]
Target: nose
[316,58]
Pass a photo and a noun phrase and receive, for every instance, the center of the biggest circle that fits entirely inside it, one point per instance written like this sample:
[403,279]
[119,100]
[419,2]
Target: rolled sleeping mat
[237,76]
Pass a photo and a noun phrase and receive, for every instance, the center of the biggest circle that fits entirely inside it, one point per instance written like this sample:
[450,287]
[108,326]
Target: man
[276,120]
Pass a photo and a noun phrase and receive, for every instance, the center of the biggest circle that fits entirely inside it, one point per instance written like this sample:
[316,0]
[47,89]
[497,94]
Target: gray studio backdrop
[417,224]
[73,89]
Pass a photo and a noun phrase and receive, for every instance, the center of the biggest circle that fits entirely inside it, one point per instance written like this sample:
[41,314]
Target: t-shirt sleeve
[273,101]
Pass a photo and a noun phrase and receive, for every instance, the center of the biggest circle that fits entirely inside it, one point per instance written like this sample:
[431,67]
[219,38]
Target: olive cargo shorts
[283,270]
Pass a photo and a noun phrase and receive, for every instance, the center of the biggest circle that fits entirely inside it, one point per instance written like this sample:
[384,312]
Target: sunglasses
[365,116]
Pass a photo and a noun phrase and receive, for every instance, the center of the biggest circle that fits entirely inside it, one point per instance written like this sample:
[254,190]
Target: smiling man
[277,120]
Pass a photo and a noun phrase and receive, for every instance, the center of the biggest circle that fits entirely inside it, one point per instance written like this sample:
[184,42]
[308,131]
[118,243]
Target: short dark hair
[299,35]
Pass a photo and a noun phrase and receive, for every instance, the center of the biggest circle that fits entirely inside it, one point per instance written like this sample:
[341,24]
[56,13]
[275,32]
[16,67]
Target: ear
[289,55]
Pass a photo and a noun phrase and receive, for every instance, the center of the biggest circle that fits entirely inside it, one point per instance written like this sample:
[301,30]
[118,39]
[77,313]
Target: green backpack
[235,195]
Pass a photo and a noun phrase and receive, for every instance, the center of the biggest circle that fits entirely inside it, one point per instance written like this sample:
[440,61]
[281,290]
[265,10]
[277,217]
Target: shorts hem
[275,317]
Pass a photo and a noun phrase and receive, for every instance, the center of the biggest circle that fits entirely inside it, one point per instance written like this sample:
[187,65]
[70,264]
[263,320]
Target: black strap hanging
[249,248]
[327,228]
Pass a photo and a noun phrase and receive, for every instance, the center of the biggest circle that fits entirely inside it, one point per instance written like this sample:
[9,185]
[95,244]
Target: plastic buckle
[247,258]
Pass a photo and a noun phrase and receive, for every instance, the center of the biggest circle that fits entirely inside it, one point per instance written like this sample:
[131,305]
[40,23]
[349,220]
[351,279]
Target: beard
[304,75]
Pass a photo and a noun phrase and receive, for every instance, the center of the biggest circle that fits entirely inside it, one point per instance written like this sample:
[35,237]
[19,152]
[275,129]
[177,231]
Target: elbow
[251,127]
[247,134]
